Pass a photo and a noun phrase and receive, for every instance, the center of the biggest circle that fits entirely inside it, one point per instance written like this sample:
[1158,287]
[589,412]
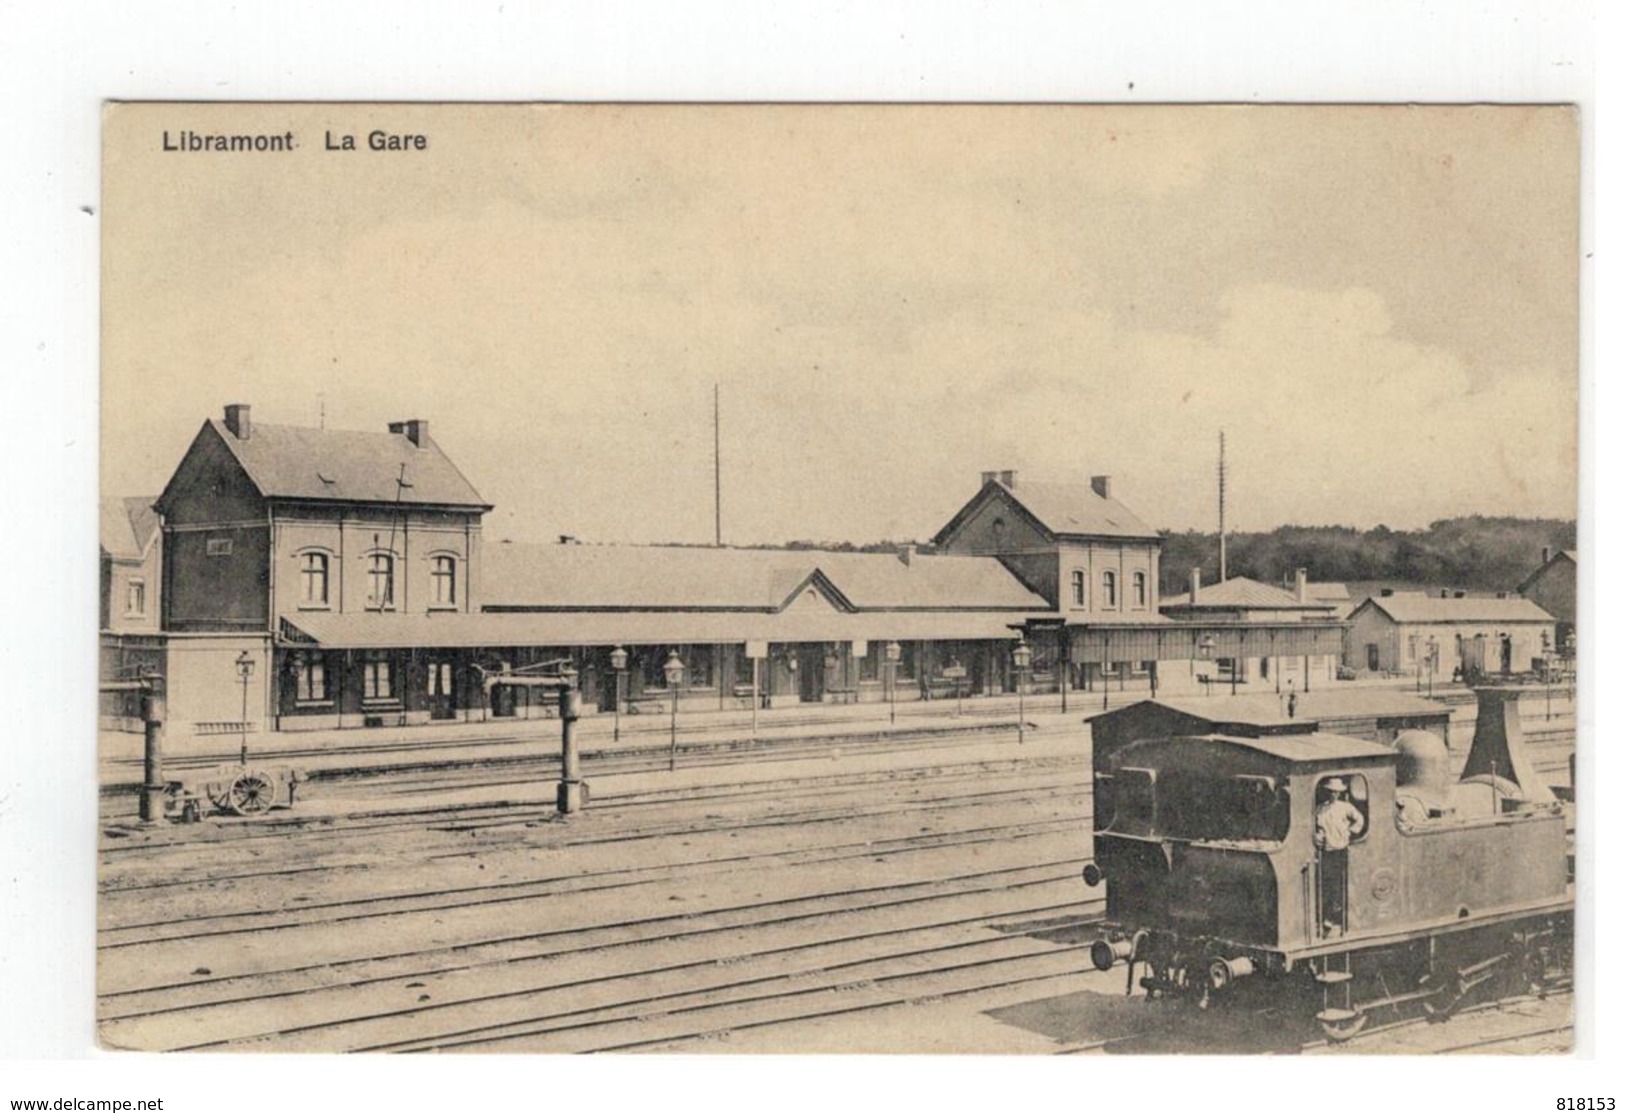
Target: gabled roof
[128,526]
[661,577]
[1427,608]
[1558,557]
[1312,706]
[295,462]
[1241,592]
[1061,510]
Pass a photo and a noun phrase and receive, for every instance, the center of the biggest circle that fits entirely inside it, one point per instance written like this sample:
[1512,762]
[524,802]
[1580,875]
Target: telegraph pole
[1224,573]
[716,454]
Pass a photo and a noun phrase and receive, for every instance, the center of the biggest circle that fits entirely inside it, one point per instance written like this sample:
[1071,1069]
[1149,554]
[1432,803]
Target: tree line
[1473,554]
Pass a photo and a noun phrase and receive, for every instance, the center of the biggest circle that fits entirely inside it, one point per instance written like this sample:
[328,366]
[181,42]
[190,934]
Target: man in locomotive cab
[1338,822]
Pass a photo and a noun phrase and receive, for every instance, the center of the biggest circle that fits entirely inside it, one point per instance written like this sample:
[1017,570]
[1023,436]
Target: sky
[1378,306]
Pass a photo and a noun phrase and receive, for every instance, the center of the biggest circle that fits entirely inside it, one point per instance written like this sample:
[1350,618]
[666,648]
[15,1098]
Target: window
[377,683]
[443,582]
[310,677]
[313,579]
[1108,589]
[1339,793]
[1139,589]
[381,580]
[1080,593]
[135,598]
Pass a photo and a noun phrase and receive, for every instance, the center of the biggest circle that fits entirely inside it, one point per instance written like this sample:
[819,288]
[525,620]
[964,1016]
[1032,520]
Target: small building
[1553,586]
[131,642]
[1241,603]
[1373,714]
[1446,633]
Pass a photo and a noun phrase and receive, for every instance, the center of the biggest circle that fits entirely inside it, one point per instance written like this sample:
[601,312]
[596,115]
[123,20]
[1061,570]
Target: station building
[317,579]
[1411,633]
[130,642]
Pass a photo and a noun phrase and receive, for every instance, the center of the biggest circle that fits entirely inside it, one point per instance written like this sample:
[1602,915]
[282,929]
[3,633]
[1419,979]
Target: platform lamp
[1206,647]
[673,668]
[1546,667]
[1433,663]
[617,661]
[245,672]
[894,654]
[1022,656]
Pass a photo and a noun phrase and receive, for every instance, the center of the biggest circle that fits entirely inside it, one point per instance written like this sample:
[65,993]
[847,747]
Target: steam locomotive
[1223,881]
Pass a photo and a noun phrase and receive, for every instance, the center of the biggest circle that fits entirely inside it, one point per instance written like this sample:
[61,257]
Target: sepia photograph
[841,578]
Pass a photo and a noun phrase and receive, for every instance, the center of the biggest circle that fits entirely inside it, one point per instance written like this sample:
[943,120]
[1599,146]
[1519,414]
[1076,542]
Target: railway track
[502,959]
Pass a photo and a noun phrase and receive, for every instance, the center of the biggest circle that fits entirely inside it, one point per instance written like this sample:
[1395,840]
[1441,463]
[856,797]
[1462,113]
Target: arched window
[313,579]
[443,581]
[381,580]
[1139,589]
[1080,593]
[1108,589]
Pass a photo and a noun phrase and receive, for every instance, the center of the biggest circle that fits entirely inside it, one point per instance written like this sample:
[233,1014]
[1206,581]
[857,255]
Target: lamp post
[1546,667]
[894,654]
[1022,655]
[1206,646]
[673,668]
[1433,663]
[245,671]
[617,661]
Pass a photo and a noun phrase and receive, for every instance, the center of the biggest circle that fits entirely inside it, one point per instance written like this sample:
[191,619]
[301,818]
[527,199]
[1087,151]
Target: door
[812,673]
[1506,655]
[442,681]
[1373,656]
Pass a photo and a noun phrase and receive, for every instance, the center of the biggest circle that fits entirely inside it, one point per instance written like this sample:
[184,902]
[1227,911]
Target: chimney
[1387,593]
[1545,555]
[1008,478]
[1196,585]
[989,477]
[1461,595]
[1444,593]
[1102,485]
[237,421]
[414,429]
[1303,585]
[907,553]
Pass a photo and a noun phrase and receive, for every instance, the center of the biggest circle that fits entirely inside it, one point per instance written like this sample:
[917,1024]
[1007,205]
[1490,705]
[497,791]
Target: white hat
[1335,785]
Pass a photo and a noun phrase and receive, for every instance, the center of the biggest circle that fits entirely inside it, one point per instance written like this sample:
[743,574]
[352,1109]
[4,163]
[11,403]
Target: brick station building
[317,579]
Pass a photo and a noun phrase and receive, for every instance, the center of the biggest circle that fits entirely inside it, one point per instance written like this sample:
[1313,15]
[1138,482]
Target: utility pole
[1224,571]
[716,454]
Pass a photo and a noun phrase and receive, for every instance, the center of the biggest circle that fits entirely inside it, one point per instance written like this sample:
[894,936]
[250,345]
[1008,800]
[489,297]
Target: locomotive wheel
[251,793]
[1340,1028]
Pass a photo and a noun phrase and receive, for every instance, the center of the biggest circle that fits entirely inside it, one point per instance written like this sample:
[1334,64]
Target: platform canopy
[1153,640]
[469,631]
